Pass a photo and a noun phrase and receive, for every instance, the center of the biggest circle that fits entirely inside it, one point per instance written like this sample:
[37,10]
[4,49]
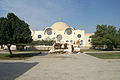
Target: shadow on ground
[29,54]
[10,71]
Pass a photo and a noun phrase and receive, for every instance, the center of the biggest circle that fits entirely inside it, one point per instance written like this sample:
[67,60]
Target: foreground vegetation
[49,42]
[114,55]
[106,37]
[14,31]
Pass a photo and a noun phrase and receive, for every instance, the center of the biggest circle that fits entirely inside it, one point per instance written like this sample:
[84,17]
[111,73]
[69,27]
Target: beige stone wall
[59,28]
[88,39]
[35,35]
[82,38]
[71,38]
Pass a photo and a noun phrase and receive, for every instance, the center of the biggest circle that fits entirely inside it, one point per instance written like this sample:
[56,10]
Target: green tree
[117,39]
[119,31]
[105,35]
[5,31]
[14,31]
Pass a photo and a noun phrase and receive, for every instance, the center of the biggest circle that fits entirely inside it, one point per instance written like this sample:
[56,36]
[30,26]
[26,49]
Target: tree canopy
[106,35]
[14,31]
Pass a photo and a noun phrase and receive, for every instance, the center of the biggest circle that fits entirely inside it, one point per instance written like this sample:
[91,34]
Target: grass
[83,50]
[17,56]
[105,55]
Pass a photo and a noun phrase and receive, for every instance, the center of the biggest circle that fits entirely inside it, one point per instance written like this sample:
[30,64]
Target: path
[71,67]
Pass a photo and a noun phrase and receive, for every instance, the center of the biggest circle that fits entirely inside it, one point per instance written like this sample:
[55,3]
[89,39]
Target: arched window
[71,41]
[81,42]
[79,35]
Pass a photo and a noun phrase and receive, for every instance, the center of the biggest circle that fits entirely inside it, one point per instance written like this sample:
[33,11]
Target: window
[79,35]
[68,31]
[67,41]
[59,37]
[48,31]
[81,42]
[39,36]
[71,41]
[89,40]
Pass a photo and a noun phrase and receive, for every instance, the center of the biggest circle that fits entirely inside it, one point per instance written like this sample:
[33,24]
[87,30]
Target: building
[60,31]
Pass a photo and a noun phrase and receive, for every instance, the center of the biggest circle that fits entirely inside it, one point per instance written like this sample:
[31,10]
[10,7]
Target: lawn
[83,50]
[7,56]
[106,55]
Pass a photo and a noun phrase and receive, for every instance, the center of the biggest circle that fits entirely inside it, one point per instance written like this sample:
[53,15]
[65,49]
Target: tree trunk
[110,47]
[2,46]
[9,45]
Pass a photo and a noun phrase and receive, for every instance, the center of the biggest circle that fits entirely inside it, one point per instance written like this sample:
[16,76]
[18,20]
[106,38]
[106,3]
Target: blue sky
[80,14]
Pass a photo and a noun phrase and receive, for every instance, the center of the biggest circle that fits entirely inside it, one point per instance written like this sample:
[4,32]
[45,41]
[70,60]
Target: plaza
[62,67]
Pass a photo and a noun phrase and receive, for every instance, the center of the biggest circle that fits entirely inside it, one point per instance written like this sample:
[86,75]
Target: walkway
[71,67]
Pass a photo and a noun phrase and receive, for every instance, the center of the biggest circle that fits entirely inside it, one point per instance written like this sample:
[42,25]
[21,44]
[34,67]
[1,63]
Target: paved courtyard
[12,70]
[71,67]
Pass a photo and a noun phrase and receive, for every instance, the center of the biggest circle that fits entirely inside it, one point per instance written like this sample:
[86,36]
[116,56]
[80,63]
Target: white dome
[59,26]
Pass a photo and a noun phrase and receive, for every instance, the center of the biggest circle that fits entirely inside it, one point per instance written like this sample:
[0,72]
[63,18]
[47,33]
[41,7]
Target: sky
[79,14]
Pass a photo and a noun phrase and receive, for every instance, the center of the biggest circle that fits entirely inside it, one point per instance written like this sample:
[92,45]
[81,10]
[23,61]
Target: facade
[60,31]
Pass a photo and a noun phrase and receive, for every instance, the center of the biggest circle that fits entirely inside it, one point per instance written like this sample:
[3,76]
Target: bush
[42,42]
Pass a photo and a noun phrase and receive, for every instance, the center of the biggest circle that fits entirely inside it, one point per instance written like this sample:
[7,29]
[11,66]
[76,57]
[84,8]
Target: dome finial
[59,19]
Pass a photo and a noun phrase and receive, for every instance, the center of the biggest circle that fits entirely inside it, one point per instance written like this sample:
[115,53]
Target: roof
[59,26]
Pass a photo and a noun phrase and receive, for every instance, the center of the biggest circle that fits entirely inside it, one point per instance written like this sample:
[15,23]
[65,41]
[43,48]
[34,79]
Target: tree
[105,35]
[14,31]
[5,31]
[117,39]
[119,31]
